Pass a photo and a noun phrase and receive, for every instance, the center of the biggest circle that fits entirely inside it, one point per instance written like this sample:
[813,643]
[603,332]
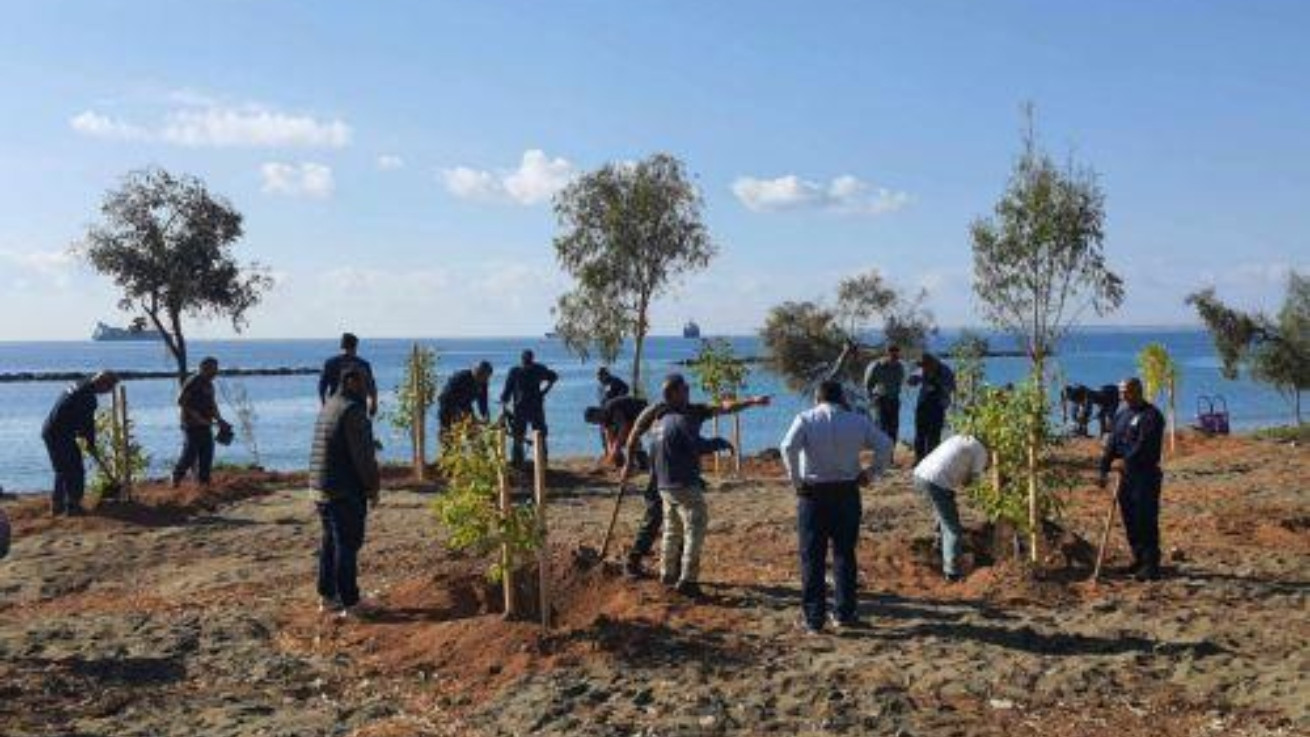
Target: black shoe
[849,623]
[1147,573]
[56,511]
[632,569]
[76,511]
[808,629]
[1132,569]
[953,577]
[689,589]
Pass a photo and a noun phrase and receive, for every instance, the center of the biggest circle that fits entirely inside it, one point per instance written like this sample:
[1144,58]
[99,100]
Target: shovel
[586,556]
[1109,523]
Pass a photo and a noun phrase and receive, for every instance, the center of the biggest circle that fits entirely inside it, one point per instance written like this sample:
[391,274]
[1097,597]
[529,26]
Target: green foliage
[865,297]
[235,394]
[166,242]
[109,477]
[418,385]
[1276,350]
[719,371]
[969,344]
[970,371]
[474,465]
[803,340]
[1008,421]
[1159,371]
[628,232]
[1039,261]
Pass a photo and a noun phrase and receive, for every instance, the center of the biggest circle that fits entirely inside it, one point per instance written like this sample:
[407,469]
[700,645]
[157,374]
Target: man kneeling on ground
[344,476]
[947,470]
[822,454]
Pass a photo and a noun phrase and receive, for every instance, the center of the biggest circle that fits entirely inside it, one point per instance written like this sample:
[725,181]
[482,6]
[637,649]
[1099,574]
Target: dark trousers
[929,420]
[649,531]
[197,453]
[523,417]
[1139,505]
[338,551]
[889,416]
[823,517]
[70,475]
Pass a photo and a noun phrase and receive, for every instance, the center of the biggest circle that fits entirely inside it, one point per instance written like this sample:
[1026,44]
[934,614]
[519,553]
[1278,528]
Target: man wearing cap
[462,392]
[883,380]
[344,476]
[821,452]
[524,394]
[200,413]
[329,379]
[1133,449]
[73,417]
[936,384]
[676,394]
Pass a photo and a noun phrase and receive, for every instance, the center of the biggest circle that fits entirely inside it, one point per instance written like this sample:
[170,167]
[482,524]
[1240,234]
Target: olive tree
[628,233]
[1275,350]
[166,241]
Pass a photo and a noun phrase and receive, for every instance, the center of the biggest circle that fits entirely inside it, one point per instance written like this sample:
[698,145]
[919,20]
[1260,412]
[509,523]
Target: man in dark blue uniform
[73,417]
[936,384]
[525,392]
[464,390]
[1133,450]
[330,378]
[611,386]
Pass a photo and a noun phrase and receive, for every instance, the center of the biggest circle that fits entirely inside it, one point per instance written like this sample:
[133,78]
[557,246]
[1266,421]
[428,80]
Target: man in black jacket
[524,394]
[343,473]
[936,384]
[464,390]
[199,410]
[73,417]
[611,386]
[1133,450]
[329,379]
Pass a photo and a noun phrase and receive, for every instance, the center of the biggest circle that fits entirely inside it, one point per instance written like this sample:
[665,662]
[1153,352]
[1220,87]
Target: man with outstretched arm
[821,451]
[676,393]
[329,379]
[524,395]
[1133,449]
[73,417]
[344,476]
[199,415]
[940,476]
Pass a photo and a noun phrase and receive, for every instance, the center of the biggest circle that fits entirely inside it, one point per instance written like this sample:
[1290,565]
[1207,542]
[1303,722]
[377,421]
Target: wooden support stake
[1034,522]
[543,550]
[736,445]
[506,559]
[1105,531]
[717,474]
[125,444]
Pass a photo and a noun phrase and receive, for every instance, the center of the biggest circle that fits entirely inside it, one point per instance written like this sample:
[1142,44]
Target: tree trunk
[1173,420]
[179,347]
[639,344]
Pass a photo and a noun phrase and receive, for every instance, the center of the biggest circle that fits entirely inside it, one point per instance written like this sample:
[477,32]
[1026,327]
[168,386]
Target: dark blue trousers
[649,531]
[70,475]
[929,420]
[197,452]
[1139,506]
[828,517]
[338,550]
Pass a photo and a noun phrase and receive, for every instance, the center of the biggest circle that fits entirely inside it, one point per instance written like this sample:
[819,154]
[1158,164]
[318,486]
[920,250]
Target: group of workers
[821,452]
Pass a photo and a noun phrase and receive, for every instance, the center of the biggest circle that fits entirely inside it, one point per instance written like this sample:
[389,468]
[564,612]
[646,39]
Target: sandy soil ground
[196,615]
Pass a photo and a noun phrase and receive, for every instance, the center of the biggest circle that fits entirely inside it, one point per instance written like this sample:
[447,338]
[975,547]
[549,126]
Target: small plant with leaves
[474,466]
[114,468]
[1160,374]
[718,369]
[243,408]
[415,395]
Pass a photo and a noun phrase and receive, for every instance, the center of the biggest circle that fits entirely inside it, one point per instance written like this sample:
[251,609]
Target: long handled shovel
[614,517]
[1109,523]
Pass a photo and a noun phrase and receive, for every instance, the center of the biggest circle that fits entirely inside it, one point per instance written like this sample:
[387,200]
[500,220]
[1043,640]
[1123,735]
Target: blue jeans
[70,475]
[338,551]
[948,522]
[825,517]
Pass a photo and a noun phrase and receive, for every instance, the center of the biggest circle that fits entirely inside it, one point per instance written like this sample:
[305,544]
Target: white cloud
[52,266]
[390,162]
[537,179]
[844,194]
[95,125]
[305,179]
[201,121]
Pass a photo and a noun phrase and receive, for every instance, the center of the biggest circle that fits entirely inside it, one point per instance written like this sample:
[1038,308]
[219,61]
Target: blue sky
[395,160]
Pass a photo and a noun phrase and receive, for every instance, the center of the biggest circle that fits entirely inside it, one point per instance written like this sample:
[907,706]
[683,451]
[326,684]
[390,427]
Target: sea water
[286,405]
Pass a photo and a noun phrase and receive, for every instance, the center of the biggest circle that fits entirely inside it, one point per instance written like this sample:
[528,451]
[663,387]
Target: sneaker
[807,629]
[1147,573]
[842,625]
[326,605]
[75,510]
[689,589]
[953,577]
[363,611]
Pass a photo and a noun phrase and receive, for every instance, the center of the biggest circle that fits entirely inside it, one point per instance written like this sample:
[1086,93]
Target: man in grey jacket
[344,476]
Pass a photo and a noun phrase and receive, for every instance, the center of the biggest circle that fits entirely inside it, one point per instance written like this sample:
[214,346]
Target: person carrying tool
[329,379]
[343,473]
[464,390]
[882,380]
[944,473]
[821,452]
[676,394]
[524,396]
[1133,450]
[73,416]
[936,384]
[199,415]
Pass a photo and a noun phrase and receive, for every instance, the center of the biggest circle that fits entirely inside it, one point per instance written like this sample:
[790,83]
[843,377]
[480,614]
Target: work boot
[75,510]
[689,589]
[632,568]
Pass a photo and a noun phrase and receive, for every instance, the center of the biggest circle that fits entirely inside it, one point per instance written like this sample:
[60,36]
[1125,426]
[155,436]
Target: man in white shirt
[948,469]
[822,454]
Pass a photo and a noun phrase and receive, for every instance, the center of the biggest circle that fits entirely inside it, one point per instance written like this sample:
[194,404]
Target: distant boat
[552,335]
[136,331]
[691,330]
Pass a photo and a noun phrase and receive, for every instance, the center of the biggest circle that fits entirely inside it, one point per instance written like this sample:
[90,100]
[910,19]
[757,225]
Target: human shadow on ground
[1027,639]
[646,644]
[1258,582]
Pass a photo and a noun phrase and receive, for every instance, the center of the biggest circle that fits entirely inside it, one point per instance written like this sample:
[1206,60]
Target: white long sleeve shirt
[823,445]
[954,464]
